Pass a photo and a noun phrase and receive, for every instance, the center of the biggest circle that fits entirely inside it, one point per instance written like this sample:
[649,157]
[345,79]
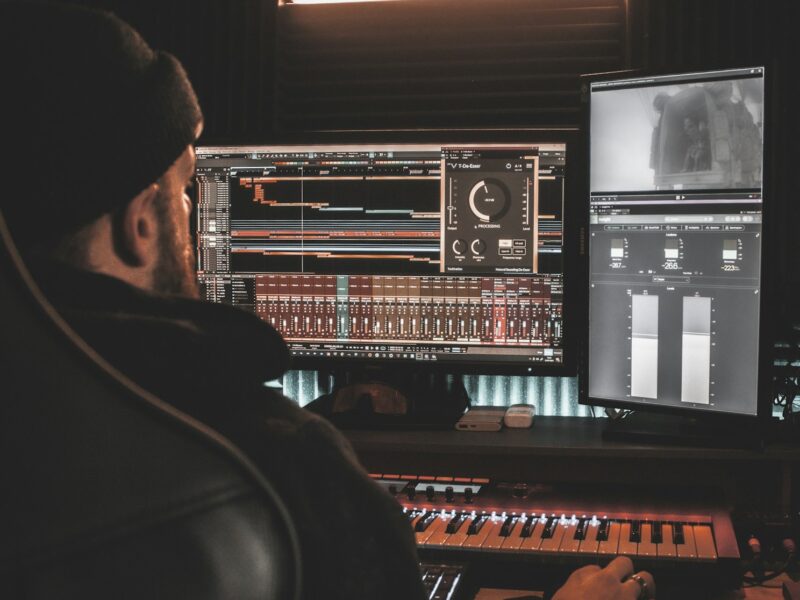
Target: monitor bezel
[572,213]
[766,318]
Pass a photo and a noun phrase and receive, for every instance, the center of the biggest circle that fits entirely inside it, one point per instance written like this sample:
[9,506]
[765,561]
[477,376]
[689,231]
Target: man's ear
[136,229]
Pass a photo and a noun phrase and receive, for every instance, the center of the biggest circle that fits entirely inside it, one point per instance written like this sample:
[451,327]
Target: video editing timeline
[341,248]
[675,260]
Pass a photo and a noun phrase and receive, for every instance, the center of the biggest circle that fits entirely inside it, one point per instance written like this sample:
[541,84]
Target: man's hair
[93,117]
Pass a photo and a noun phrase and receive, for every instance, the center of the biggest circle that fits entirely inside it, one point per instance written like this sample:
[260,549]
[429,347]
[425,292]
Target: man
[698,156]
[100,133]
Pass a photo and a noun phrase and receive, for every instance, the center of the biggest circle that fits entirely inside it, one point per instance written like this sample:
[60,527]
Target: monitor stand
[393,398]
[706,431]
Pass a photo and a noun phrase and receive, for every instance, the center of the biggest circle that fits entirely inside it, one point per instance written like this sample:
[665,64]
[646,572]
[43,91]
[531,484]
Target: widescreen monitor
[675,240]
[409,254]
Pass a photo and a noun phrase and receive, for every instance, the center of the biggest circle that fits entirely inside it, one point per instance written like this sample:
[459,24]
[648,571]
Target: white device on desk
[482,418]
[519,416]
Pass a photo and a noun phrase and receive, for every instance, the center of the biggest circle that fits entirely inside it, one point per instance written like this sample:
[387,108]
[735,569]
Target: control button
[468,494]
[411,492]
[459,246]
[505,251]
[505,243]
[519,251]
[430,492]
[448,493]
[519,243]
[478,247]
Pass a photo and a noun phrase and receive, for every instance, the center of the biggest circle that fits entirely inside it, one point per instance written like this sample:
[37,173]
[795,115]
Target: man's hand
[616,582]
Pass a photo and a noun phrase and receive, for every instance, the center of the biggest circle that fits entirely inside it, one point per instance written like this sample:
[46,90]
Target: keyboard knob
[468,494]
[448,493]
[430,492]
[411,491]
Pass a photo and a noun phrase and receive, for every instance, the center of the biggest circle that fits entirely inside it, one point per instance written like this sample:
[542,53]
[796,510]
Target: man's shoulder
[285,422]
[200,337]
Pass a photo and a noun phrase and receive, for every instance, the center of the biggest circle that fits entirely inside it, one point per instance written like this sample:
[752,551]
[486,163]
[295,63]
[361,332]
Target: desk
[571,449]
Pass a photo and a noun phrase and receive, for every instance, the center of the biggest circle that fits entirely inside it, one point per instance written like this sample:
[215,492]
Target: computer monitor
[442,254]
[675,241]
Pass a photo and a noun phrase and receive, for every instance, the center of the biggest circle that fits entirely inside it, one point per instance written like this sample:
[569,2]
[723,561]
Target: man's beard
[175,271]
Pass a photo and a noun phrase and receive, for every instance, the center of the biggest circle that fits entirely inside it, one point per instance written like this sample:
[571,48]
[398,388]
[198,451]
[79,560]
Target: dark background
[267,73]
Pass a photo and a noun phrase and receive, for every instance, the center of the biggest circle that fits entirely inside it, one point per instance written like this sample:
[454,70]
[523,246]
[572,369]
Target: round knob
[429,492]
[478,247]
[468,494]
[459,246]
[448,493]
[411,492]
[489,200]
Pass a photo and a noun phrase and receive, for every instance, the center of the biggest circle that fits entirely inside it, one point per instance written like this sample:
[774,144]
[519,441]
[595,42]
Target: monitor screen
[675,176]
[404,253]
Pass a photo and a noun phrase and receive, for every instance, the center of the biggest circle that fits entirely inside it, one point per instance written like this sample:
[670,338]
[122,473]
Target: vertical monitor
[394,254]
[675,240]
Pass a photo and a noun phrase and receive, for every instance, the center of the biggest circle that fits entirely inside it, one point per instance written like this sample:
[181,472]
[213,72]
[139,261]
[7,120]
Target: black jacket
[211,361]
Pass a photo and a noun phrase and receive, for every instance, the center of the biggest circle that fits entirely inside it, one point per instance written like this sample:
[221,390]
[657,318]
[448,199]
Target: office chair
[108,492]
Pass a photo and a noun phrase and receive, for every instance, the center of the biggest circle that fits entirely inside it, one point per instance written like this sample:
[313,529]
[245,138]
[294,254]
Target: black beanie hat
[92,116]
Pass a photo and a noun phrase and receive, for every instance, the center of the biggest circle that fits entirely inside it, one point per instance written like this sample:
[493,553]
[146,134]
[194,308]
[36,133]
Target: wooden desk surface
[571,449]
[553,436]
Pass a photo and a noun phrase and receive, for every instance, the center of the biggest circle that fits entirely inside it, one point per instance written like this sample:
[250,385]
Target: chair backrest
[105,491]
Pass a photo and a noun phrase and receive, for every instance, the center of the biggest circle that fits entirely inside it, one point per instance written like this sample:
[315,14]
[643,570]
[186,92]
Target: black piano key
[412,514]
[677,534]
[580,530]
[455,523]
[477,524]
[636,532]
[549,528]
[425,522]
[656,534]
[602,530]
[508,525]
[527,529]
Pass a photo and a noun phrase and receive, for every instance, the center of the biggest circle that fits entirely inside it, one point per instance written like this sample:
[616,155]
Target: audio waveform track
[352,225]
